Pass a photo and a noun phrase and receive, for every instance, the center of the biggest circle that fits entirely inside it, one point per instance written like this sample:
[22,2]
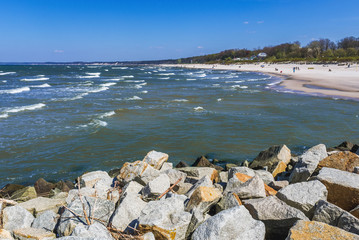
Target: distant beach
[329,80]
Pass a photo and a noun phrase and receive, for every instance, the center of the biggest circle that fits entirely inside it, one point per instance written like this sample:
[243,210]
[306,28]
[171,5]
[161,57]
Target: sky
[115,30]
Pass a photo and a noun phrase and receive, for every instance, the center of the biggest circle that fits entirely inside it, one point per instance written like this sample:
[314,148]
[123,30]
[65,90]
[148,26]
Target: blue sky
[89,30]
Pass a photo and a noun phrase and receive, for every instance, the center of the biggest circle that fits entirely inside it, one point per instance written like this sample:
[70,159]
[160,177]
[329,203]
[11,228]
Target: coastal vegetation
[322,50]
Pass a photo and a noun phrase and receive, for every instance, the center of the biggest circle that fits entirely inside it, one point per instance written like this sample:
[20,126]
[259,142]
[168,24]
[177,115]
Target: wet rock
[317,230]
[271,157]
[204,181]
[230,165]
[342,186]
[345,161]
[64,186]
[345,146]
[127,212]
[234,223]
[252,188]
[278,185]
[38,205]
[93,231]
[277,216]
[307,163]
[33,234]
[91,178]
[165,218]
[24,194]
[155,159]
[43,187]
[202,161]
[304,196]
[156,187]
[9,189]
[200,172]
[46,221]
[138,169]
[181,164]
[96,208]
[203,198]
[16,217]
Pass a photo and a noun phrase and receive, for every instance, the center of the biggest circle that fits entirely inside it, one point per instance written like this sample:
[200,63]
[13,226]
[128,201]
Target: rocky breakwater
[276,196]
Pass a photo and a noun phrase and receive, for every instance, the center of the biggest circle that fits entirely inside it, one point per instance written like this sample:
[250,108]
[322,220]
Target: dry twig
[169,189]
[82,202]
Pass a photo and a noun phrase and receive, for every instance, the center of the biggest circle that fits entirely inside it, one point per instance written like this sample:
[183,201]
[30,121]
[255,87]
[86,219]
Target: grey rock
[253,188]
[277,216]
[232,171]
[271,157]
[96,230]
[307,163]
[33,234]
[46,220]
[183,188]
[91,178]
[223,177]
[199,172]
[85,192]
[139,170]
[155,159]
[16,217]
[127,212]
[96,208]
[148,236]
[356,169]
[234,223]
[349,223]
[204,182]
[132,187]
[278,185]
[266,176]
[304,195]
[166,214]
[166,166]
[197,219]
[174,175]
[38,205]
[229,200]
[156,187]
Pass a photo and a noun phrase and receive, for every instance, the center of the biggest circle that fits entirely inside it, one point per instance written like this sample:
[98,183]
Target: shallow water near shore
[57,122]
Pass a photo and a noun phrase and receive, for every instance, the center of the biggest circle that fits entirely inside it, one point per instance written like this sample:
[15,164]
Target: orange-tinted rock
[345,161]
[237,198]
[312,230]
[244,178]
[204,196]
[269,191]
[281,167]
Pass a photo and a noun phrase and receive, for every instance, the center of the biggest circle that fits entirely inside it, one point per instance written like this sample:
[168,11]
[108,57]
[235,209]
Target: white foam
[98,123]
[34,79]
[239,86]
[166,74]
[144,92]
[216,85]
[119,67]
[40,76]
[134,98]
[5,81]
[6,73]
[101,89]
[91,75]
[137,86]
[108,84]
[219,99]
[198,109]
[201,75]
[114,79]
[25,108]
[135,81]
[215,78]
[191,79]
[45,85]
[5,115]
[180,100]
[165,78]
[129,76]
[273,83]
[239,81]
[107,114]
[15,90]
[106,70]
[73,98]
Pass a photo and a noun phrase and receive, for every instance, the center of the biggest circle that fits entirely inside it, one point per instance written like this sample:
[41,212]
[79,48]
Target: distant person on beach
[293,69]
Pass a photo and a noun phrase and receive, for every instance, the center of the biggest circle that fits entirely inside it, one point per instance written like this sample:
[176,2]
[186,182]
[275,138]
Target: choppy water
[59,121]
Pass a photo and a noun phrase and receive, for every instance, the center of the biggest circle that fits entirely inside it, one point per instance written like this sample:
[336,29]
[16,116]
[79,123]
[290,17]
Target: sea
[59,121]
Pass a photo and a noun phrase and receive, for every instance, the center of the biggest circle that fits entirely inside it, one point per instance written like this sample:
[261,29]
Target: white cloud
[200,47]
[260,22]
[58,51]
[246,22]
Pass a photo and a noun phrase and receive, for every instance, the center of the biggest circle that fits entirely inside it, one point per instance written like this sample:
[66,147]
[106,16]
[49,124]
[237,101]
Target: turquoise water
[58,121]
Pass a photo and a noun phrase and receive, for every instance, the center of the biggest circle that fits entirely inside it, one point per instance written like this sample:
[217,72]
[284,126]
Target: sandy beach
[329,80]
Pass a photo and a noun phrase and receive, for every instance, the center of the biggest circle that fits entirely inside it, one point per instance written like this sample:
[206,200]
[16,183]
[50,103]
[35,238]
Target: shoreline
[340,81]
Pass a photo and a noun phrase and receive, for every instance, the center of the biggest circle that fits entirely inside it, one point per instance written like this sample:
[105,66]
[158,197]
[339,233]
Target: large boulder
[202,161]
[43,187]
[304,195]
[38,205]
[24,194]
[277,216]
[229,200]
[9,189]
[345,161]
[155,159]
[96,209]
[33,234]
[138,169]
[175,175]
[200,172]
[46,221]
[132,187]
[266,176]
[271,158]
[233,223]
[91,178]
[333,215]
[318,230]
[203,198]
[244,170]
[343,187]
[165,218]
[16,217]
[252,188]
[93,231]
[307,163]
[204,181]
[156,187]
[85,192]
[127,212]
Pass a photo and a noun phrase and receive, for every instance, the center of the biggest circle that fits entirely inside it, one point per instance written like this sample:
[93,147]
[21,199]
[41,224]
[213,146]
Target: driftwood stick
[169,189]
[83,204]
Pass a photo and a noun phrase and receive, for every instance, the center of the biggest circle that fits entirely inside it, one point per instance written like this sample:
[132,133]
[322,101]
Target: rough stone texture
[277,216]
[41,204]
[244,170]
[85,192]
[278,185]
[343,187]
[91,178]
[204,181]
[33,234]
[307,163]
[197,219]
[127,211]
[202,161]
[64,186]
[5,235]
[307,230]
[43,187]
[304,196]
[228,201]
[281,167]
[24,194]
[137,169]
[156,187]
[223,176]
[155,159]
[234,223]
[356,170]
[355,211]
[132,187]
[181,164]
[166,166]
[200,172]
[95,207]
[345,161]
[105,190]
[333,215]
[9,189]
[252,188]
[149,236]
[96,230]
[183,188]
[271,157]
[16,217]
[46,220]
[266,176]
[203,198]
[174,175]
[165,218]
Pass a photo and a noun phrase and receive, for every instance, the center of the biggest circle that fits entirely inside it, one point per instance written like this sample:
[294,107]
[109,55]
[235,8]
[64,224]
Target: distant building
[262,55]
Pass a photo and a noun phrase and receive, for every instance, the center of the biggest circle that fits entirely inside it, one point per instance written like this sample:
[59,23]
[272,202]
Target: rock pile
[277,196]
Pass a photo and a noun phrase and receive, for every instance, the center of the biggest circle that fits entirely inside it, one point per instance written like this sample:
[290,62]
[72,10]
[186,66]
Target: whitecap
[5,81]
[73,98]
[114,79]
[201,75]
[5,115]
[191,79]
[107,114]
[106,70]
[215,78]
[216,85]
[135,81]
[40,76]
[239,81]
[144,92]
[166,74]
[98,123]
[165,78]
[91,75]
[34,79]
[101,89]
[239,86]
[134,98]
[107,84]
[129,76]
[274,83]
[119,67]
[15,90]
[6,73]
[180,100]
[45,85]
[25,108]
[198,109]
[219,99]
